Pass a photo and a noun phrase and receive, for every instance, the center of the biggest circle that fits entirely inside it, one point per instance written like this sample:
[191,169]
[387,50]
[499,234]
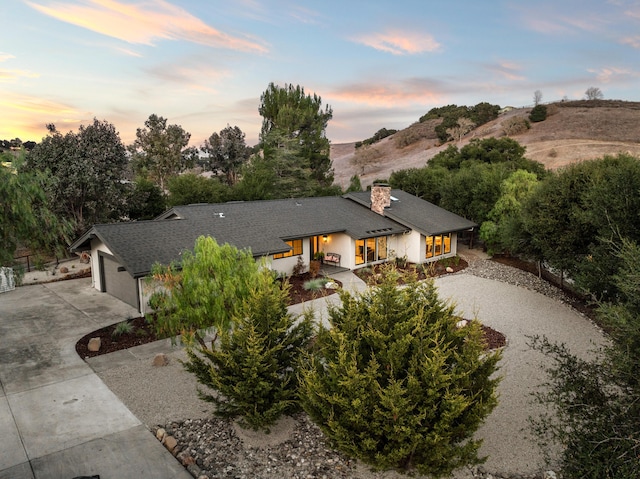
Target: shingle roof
[261,226]
[417,214]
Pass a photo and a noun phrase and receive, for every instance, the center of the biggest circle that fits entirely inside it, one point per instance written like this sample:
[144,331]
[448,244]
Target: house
[358,229]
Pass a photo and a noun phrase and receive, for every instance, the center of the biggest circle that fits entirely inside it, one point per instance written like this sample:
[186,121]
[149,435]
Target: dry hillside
[573,131]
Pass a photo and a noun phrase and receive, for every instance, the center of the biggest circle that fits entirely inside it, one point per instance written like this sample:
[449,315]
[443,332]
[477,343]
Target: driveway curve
[519,314]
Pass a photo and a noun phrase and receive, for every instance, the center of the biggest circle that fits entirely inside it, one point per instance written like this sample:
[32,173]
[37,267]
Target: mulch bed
[439,268]
[143,332]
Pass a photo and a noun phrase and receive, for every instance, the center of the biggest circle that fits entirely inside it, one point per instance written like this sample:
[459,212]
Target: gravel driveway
[513,302]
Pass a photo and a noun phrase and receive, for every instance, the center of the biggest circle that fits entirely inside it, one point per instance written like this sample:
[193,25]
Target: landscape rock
[449,269]
[94,344]
[64,270]
[170,443]
[160,360]
[160,434]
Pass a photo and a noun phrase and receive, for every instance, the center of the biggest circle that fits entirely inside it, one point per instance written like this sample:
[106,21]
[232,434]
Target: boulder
[94,344]
[160,360]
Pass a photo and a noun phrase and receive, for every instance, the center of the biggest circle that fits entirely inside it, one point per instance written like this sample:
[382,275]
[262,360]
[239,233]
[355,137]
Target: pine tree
[253,370]
[394,382]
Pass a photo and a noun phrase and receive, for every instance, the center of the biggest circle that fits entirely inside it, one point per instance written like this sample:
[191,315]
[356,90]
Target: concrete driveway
[58,419]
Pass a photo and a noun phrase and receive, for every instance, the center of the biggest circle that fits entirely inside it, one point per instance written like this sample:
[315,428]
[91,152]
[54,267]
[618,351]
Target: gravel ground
[214,448]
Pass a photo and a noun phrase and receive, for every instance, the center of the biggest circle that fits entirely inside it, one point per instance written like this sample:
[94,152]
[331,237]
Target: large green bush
[394,382]
[593,404]
[538,113]
[252,372]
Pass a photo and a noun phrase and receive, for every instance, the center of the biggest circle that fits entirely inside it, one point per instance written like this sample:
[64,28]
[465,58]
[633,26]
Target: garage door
[118,283]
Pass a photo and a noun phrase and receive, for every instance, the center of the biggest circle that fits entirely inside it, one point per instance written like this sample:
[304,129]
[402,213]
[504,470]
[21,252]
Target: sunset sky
[203,64]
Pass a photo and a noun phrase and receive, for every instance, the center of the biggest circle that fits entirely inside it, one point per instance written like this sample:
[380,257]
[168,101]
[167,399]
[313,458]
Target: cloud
[612,74]
[5,56]
[200,77]
[406,92]
[633,42]
[399,42]
[508,70]
[12,75]
[305,15]
[144,23]
[31,104]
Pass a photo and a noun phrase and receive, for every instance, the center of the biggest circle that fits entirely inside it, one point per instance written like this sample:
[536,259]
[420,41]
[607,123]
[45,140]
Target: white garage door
[119,284]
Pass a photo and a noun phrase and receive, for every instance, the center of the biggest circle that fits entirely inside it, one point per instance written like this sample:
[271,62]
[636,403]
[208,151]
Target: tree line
[86,177]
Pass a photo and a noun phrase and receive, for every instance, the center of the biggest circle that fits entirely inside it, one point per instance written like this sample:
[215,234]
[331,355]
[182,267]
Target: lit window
[438,245]
[360,251]
[296,249]
[429,247]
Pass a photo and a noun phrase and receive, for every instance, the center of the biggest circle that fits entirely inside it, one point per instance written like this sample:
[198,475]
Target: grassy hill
[573,131]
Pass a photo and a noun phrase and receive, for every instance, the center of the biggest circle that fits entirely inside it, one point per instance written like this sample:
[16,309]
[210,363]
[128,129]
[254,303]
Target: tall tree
[85,173]
[160,150]
[226,153]
[25,218]
[287,111]
[190,188]
[503,229]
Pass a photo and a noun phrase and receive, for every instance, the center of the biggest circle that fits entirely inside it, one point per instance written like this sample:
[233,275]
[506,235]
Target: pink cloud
[400,43]
[144,23]
[633,42]
[507,70]
[408,93]
[612,74]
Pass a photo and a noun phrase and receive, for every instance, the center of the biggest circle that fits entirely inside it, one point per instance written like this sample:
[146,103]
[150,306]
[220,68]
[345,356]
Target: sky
[203,64]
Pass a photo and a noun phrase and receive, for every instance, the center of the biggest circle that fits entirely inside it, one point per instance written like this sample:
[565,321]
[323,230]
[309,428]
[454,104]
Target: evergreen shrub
[393,381]
[252,371]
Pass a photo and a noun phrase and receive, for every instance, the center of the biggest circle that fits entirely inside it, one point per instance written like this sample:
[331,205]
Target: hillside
[573,131]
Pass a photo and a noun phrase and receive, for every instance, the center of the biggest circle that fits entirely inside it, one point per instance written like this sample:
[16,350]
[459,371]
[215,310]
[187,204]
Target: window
[438,245]
[371,249]
[296,249]
[360,251]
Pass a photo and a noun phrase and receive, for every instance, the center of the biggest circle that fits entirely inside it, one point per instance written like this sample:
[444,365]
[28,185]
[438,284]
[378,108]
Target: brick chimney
[380,197]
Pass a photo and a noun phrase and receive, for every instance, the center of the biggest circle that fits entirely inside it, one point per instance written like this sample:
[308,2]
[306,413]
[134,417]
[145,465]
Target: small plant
[125,327]
[364,272]
[299,268]
[401,261]
[315,285]
[141,333]
[553,153]
[314,268]
[318,255]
